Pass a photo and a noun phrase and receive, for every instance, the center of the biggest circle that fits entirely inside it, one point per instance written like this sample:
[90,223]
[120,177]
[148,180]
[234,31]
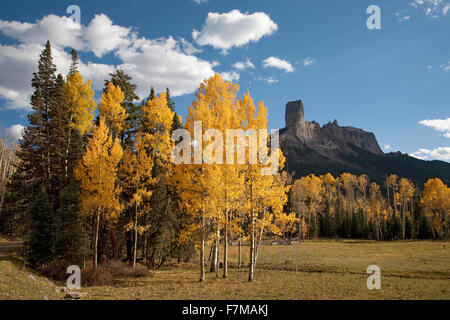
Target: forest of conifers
[89,183]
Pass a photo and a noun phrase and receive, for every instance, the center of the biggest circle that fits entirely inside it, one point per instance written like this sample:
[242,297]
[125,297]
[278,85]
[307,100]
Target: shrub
[106,273]
[55,270]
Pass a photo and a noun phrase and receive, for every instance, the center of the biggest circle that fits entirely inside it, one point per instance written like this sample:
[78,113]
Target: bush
[55,270]
[95,277]
[105,274]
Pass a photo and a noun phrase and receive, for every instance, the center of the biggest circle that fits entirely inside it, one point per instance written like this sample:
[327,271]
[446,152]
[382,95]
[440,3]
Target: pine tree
[176,118]
[35,146]
[75,61]
[43,237]
[70,235]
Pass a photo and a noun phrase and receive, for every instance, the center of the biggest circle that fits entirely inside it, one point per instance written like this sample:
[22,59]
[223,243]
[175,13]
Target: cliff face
[330,140]
[310,148]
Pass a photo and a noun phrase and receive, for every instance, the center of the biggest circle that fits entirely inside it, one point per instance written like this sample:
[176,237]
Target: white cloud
[200,1]
[269,80]
[278,63]
[230,76]
[233,29]
[445,9]
[387,147]
[445,67]
[61,31]
[247,64]
[432,8]
[103,37]
[188,47]
[15,131]
[18,62]
[440,153]
[403,19]
[160,63]
[308,62]
[441,125]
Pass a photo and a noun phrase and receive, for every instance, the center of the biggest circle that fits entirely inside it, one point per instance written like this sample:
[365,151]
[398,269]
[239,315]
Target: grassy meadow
[321,269]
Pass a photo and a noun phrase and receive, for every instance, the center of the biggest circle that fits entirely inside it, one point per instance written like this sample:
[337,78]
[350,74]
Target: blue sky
[385,81]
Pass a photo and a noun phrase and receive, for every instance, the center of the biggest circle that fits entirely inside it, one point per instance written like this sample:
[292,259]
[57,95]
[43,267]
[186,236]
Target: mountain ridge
[311,148]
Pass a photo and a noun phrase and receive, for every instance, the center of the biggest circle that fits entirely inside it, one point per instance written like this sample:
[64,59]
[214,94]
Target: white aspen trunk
[202,251]
[97,227]
[135,237]
[225,247]
[252,239]
[212,266]
[240,243]
[216,260]
[404,219]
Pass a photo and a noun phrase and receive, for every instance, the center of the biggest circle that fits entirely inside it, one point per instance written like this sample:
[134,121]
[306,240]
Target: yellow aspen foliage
[202,197]
[330,191]
[436,200]
[392,187]
[97,173]
[111,109]
[157,124]
[136,173]
[406,192]
[266,194]
[80,99]
[375,211]
[309,191]
[348,181]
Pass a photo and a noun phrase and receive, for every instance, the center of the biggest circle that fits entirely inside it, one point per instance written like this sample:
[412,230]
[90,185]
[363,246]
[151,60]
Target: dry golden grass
[20,283]
[311,270]
[324,269]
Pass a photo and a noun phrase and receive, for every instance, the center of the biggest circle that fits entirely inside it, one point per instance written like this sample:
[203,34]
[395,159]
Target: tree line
[351,206]
[96,182]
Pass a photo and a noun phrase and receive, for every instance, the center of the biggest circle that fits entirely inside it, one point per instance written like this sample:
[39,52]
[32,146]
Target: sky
[393,81]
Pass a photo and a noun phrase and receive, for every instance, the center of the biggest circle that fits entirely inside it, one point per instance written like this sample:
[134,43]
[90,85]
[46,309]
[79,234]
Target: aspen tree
[111,109]
[406,192]
[97,173]
[436,200]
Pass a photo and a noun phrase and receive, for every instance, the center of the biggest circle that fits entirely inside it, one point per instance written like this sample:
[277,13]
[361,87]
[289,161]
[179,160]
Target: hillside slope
[331,148]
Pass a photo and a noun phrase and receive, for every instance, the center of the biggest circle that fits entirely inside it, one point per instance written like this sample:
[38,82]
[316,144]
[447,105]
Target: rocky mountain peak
[330,140]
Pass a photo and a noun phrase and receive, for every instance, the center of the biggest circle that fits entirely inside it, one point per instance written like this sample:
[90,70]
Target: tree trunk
[135,238]
[97,227]
[252,240]
[225,250]
[212,267]
[202,252]
[240,243]
[239,251]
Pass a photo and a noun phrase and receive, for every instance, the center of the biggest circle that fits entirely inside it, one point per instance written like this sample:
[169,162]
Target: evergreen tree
[70,235]
[151,96]
[176,118]
[75,61]
[43,236]
[14,218]
[35,146]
